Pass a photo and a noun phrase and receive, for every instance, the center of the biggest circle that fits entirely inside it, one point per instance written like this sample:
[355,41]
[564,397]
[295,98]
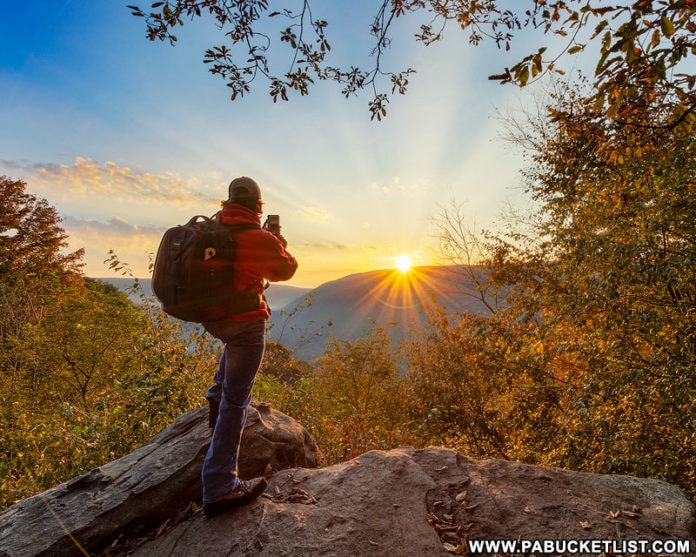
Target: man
[260,256]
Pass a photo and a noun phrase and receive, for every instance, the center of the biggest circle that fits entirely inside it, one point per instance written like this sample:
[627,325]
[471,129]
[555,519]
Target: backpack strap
[194,220]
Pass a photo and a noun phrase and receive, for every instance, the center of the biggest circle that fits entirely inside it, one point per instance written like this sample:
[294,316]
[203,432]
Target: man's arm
[278,264]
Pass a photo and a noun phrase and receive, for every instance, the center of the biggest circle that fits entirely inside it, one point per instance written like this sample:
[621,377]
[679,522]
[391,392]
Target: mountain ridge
[278,295]
[346,308]
[305,319]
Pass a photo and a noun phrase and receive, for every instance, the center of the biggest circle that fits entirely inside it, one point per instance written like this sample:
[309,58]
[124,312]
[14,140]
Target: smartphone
[272,224]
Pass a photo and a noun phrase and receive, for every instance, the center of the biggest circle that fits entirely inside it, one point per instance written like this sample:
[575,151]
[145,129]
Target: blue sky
[126,137]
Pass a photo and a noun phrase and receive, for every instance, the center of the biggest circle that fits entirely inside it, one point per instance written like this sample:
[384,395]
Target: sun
[403,262]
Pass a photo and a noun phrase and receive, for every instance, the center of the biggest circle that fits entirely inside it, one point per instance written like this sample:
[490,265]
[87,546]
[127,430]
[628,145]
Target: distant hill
[304,319]
[344,307]
[278,295]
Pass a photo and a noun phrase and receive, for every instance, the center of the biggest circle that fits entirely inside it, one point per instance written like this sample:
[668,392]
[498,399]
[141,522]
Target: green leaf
[523,77]
[655,40]
[667,26]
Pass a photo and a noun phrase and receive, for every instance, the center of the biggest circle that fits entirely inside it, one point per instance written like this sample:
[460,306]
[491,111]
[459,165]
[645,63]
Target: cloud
[334,246]
[325,245]
[122,224]
[314,214]
[395,186]
[134,244]
[88,178]
[115,225]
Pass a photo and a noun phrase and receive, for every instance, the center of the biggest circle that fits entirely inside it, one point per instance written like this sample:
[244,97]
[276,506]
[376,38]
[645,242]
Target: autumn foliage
[643,43]
[86,375]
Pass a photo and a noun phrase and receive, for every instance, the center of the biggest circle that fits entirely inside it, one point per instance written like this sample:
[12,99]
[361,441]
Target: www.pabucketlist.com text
[580,547]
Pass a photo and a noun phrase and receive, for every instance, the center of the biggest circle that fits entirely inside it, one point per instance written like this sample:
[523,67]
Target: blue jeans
[244,347]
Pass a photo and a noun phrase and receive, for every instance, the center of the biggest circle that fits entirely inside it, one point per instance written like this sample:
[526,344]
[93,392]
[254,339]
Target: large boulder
[148,486]
[436,502]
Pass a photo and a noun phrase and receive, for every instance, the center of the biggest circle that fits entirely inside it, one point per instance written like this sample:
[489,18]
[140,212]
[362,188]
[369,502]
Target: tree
[59,385]
[33,262]
[361,395]
[352,401]
[94,380]
[34,270]
[609,273]
[642,45]
[278,361]
[31,240]
[86,375]
[480,384]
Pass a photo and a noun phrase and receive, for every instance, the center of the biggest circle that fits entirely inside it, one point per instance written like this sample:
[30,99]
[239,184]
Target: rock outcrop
[146,487]
[404,501]
[407,502]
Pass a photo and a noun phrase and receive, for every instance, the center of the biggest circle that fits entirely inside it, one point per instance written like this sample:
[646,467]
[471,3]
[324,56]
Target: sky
[127,137]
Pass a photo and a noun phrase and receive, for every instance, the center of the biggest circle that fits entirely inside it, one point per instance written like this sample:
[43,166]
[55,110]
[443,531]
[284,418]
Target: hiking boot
[213,410]
[246,492]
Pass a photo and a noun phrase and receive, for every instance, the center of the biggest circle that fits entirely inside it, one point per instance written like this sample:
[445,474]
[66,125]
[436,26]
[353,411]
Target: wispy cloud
[116,225]
[335,246]
[326,245]
[134,244]
[89,178]
[396,185]
[314,214]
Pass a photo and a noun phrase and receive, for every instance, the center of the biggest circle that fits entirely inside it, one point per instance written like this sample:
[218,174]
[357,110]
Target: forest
[589,364]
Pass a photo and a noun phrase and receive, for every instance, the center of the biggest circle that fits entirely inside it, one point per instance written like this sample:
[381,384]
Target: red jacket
[260,257]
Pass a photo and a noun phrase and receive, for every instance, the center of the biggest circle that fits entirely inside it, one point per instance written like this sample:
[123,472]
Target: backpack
[194,271]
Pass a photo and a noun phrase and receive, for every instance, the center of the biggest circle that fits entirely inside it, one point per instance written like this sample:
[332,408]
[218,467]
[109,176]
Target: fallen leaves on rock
[448,517]
[296,495]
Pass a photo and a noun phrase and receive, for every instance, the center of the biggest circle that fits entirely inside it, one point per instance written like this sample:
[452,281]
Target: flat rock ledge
[433,502]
